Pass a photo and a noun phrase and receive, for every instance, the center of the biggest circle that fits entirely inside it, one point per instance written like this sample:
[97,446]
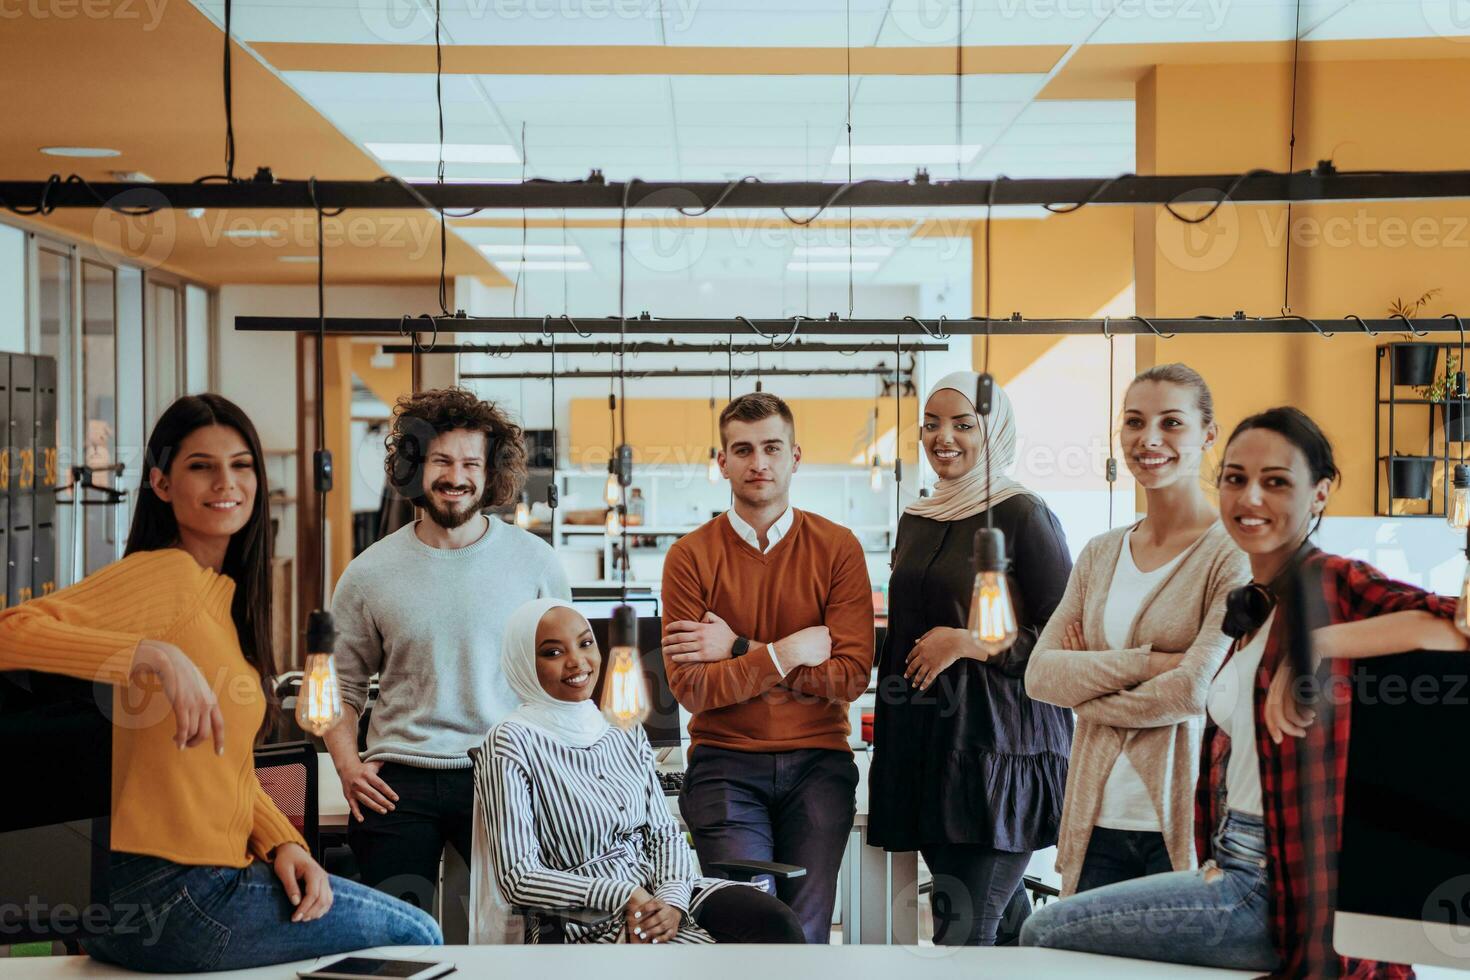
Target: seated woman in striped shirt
[575,813]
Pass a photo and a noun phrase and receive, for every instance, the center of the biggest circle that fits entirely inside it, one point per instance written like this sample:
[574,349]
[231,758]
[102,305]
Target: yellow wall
[676,431]
[1345,258]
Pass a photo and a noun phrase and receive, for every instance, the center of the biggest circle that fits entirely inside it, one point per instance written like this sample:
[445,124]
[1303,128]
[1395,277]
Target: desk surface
[709,963]
[332,813]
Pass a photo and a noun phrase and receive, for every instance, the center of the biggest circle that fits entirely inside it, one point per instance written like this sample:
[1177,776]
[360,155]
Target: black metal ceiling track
[774,332]
[1323,183]
[880,372]
[651,347]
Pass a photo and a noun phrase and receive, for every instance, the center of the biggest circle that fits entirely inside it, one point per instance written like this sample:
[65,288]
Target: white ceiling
[692,127]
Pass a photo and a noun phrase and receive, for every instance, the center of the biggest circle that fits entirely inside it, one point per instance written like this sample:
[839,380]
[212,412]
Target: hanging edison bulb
[1459,509]
[319,702]
[712,473]
[612,490]
[523,512]
[614,525]
[625,700]
[992,614]
[875,473]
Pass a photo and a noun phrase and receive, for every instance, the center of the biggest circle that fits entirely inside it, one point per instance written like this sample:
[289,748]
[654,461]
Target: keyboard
[671,780]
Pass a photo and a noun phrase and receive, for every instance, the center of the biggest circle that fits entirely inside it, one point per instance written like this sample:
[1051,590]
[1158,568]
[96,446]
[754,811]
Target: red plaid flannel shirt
[1302,780]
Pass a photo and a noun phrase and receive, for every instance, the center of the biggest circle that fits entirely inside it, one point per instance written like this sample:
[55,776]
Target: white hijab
[965,496]
[575,723]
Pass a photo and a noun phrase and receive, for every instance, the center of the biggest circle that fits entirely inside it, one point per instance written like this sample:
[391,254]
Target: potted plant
[1413,364]
[1411,477]
[1442,392]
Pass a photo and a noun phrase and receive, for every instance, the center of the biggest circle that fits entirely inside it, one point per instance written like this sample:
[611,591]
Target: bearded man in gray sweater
[425,609]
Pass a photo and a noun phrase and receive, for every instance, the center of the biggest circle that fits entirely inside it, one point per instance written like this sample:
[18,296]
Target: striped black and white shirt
[582,828]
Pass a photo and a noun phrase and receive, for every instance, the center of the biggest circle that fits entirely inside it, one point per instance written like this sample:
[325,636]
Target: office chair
[546,926]
[287,772]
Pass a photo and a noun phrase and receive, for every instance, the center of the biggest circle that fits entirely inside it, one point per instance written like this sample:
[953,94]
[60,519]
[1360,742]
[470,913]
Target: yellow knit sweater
[191,806]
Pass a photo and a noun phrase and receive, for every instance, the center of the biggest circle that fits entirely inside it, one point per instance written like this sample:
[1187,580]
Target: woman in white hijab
[575,813]
[967,769]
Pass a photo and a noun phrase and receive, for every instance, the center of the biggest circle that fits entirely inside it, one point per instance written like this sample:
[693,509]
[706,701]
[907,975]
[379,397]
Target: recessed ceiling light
[549,266]
[196,212]
[301,259]
[841,252]
[131,176]
[529,251]
[260,233]
[830,266]
[931,153]
[80,151]
[453,152]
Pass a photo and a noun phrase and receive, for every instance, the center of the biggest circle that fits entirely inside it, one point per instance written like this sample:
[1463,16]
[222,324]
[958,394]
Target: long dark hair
[248,557]
[1297,428]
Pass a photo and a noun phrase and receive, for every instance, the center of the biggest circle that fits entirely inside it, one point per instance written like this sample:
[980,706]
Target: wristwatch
[741,645]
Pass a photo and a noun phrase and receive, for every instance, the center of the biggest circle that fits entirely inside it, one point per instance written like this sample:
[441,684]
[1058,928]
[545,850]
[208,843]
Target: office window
[101,541]
[196,340]
[12,289]
[53,336]
[161,349]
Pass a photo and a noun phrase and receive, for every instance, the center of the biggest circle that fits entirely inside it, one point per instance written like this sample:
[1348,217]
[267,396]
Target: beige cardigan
[1157,721]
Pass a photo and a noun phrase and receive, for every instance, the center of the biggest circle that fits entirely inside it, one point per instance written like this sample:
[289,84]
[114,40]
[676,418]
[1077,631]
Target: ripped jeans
[1216,916]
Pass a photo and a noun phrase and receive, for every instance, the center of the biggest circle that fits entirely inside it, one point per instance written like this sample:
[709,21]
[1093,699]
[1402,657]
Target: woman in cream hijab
[575,814]
[967,769]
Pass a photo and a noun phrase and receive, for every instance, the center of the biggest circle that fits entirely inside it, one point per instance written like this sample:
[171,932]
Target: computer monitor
[1404,867]
[662,725]
[55,828]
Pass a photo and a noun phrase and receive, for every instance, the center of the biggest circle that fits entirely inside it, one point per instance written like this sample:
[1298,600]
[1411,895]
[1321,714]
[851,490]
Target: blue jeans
[1217,916]
[178,918]
[793,807]
[1122,855]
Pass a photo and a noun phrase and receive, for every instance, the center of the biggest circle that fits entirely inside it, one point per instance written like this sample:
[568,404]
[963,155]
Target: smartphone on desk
[357,967]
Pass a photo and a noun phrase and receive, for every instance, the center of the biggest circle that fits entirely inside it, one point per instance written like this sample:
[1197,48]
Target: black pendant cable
[850,289]
[1291,157]
[1111,473]
[1461,478]
[625,451]
[551,490]
[229,102]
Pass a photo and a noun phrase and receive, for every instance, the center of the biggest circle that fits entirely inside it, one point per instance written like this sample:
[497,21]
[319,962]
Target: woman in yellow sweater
[206,872]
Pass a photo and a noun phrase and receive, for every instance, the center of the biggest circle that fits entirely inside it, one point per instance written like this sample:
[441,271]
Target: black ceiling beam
[746,329]
[650,347]
[1322,184]
[636,375]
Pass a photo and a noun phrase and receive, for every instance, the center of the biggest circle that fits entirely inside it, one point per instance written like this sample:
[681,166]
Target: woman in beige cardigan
[1134,644]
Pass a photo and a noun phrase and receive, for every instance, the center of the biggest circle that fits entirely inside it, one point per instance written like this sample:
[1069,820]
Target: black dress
[972,760]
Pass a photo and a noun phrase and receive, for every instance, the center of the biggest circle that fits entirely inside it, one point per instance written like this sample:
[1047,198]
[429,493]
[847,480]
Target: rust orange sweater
[815,576]
[189,806]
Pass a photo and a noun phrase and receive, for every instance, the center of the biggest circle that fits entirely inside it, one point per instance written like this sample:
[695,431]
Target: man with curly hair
[425,609]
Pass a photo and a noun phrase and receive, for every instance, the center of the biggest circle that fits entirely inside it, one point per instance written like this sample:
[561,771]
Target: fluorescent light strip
[453,152]
[900,153]
[530,251]
[841,252]
[505,265]
[830,266]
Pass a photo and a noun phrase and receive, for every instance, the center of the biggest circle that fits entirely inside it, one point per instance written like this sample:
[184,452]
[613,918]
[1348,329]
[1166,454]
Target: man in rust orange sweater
[768,636]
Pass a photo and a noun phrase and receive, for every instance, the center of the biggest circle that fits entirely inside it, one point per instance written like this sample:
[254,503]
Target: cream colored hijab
[578,724]
[965,496]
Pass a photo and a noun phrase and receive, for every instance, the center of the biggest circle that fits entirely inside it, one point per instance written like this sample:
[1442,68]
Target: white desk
[707,963]
[879,891]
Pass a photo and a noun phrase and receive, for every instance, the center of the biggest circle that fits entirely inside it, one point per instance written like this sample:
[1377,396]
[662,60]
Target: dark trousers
[790,807]
[735,914]
[398,852]
[1122,855]
[973,887]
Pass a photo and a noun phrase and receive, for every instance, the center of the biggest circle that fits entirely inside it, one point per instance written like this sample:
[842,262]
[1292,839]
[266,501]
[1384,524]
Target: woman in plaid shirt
[1269,820]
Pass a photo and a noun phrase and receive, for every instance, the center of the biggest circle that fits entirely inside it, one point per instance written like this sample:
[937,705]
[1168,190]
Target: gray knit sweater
[1158,722]
[429,622]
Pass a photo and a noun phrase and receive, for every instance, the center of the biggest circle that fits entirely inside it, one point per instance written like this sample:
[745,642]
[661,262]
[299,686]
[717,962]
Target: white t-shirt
[1126,804]
[1232,706]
